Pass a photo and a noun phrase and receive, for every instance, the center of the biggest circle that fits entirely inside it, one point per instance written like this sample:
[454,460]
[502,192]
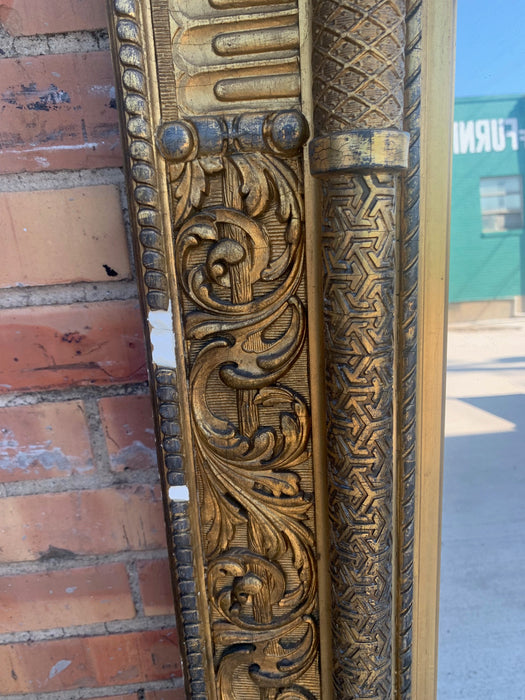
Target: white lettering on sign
[482,135]
[487,135]
[497,134]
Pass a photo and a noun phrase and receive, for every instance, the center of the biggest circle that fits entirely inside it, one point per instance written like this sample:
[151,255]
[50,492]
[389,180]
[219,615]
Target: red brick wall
[85,601]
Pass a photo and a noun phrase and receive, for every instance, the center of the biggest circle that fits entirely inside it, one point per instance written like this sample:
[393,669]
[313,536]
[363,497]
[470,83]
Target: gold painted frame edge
[314,291]
[183,540]
[436,166]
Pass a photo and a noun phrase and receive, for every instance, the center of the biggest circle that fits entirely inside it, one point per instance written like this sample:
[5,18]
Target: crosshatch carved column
[358,147]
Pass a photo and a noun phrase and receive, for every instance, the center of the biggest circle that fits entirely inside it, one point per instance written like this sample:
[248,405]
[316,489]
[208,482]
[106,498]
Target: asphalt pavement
[482,603]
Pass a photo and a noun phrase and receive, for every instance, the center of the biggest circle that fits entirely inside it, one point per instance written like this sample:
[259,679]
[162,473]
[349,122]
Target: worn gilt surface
[359,377]
[237,217]
[211,99]
[406,384]
[358,83]
[232,163]
[239,250]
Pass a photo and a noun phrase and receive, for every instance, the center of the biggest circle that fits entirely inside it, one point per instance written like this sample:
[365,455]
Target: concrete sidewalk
[482,606]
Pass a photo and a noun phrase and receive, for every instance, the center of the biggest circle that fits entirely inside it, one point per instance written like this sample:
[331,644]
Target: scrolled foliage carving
[239,254]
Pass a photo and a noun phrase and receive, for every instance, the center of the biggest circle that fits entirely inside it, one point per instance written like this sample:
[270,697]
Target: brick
[27,17]
[52,347]
[36,226]
[130,437]
[81,522]
[65,598]
[89,662]
[49,440]
[174,694]
[155,587]
[58,112]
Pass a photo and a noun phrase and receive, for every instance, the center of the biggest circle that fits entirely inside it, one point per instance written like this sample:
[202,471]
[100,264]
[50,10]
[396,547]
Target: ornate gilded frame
[288,169]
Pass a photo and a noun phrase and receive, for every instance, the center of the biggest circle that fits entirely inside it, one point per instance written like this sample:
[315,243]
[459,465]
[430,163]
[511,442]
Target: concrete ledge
[460,312]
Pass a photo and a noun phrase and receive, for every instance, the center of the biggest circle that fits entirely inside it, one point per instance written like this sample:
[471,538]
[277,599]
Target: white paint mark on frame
[179,493]
[162,338]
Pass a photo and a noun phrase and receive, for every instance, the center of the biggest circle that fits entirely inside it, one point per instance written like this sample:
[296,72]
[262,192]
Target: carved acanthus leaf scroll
[239,255]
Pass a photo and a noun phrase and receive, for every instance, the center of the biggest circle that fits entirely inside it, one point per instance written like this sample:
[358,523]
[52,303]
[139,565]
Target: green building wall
[489,141]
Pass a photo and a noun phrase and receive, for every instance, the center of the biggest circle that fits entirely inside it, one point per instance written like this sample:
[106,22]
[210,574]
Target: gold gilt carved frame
[288,183]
